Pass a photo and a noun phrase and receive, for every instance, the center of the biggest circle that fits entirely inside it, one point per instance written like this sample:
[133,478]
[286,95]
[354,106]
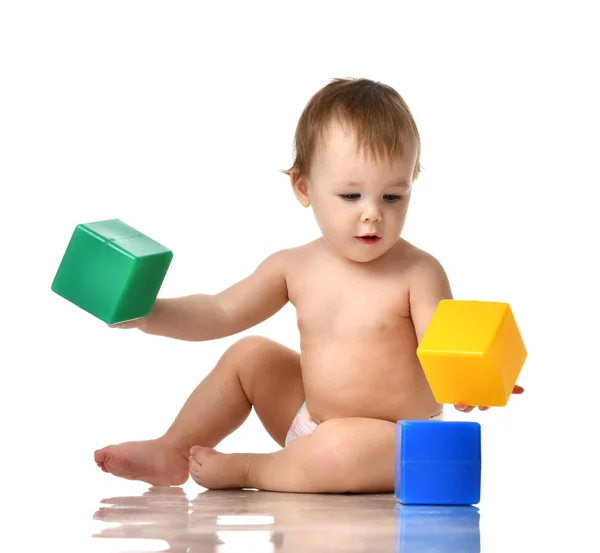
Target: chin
[366,256]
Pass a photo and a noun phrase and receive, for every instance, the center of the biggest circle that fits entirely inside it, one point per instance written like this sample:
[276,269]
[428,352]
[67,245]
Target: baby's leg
[255,372]
[341,455]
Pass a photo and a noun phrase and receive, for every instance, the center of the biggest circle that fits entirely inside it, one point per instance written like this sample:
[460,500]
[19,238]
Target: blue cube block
[438,463]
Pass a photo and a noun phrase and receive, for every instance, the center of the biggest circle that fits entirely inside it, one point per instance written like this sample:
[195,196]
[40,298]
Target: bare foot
[218,471]
[154,461]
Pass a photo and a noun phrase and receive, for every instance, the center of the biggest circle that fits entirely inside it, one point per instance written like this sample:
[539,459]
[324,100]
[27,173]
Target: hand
[467,408]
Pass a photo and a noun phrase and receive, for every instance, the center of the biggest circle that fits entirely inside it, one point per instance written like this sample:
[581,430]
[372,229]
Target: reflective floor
[166,519]
[51,505]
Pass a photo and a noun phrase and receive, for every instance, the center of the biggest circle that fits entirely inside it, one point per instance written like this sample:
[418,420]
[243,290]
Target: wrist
[148,323]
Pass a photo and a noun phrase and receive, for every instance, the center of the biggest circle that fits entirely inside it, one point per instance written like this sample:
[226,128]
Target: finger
[483,408]
[518,390]
[463,408]
[122,325]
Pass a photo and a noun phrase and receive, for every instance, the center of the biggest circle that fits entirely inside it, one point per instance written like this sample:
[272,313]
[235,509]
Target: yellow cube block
[472,353]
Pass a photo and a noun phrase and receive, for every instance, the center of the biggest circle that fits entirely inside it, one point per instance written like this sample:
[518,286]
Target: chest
[353,304]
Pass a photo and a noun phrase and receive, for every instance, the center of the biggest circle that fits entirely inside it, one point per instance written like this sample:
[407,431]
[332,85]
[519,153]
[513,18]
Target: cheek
[400,219]
[400,212]
[332,219]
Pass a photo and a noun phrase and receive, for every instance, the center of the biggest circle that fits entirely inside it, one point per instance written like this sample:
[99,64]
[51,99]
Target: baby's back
[358,344]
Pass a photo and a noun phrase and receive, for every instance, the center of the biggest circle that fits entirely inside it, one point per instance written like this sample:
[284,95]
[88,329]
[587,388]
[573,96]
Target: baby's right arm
[207,317]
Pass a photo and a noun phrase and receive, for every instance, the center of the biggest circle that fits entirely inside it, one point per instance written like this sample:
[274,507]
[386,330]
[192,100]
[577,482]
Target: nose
[371,214]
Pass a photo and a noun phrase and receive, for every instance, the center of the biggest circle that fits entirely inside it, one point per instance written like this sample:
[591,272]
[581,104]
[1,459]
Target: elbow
[222,324]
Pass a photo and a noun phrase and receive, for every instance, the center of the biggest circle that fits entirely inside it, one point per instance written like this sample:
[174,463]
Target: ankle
[173,442]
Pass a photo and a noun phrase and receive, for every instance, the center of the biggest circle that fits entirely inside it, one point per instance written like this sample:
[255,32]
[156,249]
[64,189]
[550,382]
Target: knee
[248,346]
[249,354]
[333,455]
[333,445]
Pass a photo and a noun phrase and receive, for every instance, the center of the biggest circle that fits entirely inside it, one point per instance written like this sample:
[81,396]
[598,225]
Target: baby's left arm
[428,286]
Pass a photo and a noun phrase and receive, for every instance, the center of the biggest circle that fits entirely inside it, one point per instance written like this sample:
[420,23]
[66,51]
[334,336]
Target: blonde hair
[376,112]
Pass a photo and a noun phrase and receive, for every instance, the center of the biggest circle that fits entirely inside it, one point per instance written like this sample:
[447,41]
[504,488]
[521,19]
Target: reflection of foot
[161,495]
[152,461]
[214,470]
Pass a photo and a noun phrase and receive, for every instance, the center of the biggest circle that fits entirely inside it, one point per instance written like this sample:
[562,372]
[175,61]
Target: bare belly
[373,376]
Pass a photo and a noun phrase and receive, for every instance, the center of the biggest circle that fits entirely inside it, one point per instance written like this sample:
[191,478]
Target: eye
[391,197]
[350,197]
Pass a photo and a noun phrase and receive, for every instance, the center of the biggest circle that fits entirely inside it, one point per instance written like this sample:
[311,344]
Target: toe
[195,448]
[200,453]
[196,471]
[100,455]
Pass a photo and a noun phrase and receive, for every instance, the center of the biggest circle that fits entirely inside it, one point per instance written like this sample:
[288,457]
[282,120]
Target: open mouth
[368,239]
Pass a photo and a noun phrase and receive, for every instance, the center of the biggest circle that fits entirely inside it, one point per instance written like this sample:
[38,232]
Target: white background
[177,117]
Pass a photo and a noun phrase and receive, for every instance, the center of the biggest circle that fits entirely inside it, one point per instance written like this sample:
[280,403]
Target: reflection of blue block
[438,462]
[442,529]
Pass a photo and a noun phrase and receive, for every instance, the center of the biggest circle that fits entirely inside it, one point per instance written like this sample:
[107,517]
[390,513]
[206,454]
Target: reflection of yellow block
[472,352]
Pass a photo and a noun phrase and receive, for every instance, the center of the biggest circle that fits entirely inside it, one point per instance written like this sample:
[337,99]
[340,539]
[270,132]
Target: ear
[300,187]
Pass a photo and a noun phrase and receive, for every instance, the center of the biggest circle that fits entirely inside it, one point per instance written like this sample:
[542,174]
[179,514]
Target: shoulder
[287,259]
[425,270]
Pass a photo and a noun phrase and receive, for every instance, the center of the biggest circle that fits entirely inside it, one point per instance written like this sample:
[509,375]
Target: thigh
[272,381]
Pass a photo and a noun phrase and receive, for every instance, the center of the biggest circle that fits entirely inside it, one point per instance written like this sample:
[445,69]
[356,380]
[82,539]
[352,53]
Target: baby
[364,297]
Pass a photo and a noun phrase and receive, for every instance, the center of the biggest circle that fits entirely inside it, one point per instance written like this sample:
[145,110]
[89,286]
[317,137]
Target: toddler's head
[357,152]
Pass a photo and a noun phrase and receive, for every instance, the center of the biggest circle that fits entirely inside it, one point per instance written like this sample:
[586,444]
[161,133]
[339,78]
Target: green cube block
[112,271]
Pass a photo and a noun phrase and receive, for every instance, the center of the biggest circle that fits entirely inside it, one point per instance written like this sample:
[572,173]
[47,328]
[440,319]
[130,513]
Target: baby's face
[354,195]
